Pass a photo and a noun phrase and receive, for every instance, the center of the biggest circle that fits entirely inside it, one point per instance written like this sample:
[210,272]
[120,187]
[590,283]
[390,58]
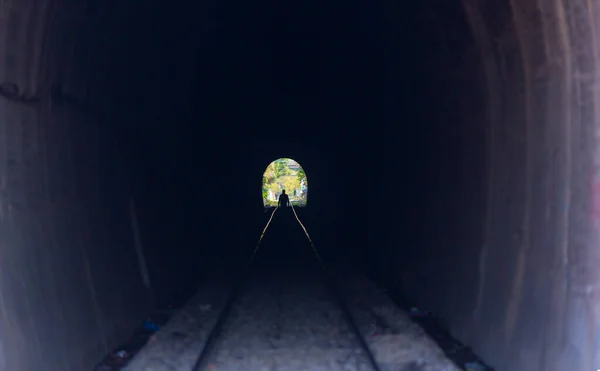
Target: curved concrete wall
[500,240]
[509,261]
[71,286]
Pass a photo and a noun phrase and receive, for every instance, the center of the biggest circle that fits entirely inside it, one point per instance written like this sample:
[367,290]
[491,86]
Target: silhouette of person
[284,200]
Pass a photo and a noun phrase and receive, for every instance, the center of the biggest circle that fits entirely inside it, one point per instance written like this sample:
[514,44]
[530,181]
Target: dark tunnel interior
[450,149]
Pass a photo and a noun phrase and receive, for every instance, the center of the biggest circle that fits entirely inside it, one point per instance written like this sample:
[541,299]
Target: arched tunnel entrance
[459,139]
[281,175]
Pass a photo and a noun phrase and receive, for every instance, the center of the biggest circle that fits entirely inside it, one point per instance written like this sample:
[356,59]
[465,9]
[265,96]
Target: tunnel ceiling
[303,63]
[151,61]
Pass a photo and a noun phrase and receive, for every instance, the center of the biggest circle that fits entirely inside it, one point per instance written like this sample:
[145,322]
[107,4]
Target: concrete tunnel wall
[70,288]
[69,277]
[509,259]
[520,255]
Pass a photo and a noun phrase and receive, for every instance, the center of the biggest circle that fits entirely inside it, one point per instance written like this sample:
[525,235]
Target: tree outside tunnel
[284,174]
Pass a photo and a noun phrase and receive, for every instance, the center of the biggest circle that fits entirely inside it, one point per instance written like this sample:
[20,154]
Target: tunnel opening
[480,158]
[284,175]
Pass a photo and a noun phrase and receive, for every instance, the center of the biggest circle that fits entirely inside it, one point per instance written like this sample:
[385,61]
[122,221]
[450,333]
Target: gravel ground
[397,343]
[177,345]
[292,323]
[286,319]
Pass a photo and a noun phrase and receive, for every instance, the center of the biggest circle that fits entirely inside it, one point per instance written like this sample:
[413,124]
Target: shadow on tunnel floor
[284,234]
[119,356]
[461,354]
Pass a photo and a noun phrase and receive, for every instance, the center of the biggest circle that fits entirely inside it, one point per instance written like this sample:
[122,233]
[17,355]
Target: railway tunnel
[451,149]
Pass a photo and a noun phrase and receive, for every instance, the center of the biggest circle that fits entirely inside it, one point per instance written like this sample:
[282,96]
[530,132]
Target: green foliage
[269,176]
[279,176]
[281,168]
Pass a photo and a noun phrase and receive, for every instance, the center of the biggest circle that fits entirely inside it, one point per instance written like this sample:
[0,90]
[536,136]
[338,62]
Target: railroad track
[261,318]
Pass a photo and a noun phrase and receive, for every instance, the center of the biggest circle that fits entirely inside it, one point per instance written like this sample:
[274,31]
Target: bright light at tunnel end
[284,174]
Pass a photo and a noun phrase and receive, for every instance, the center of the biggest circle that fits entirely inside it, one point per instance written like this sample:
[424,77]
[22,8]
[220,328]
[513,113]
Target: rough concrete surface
[70,287]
